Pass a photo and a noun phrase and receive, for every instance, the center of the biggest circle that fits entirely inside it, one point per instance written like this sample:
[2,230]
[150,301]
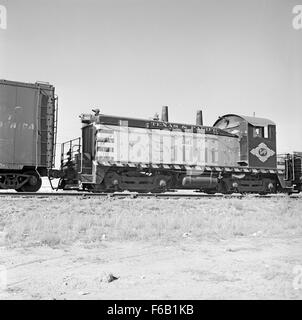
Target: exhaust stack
[164,114]
[199,120]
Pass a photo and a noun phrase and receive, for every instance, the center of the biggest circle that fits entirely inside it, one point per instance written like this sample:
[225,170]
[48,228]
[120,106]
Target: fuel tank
[199,182]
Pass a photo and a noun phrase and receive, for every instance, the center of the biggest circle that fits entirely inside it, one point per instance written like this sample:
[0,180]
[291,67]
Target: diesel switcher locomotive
[237,154]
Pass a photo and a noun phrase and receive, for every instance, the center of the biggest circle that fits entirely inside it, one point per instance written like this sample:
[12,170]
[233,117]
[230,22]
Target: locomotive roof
[151,124]
[254,121]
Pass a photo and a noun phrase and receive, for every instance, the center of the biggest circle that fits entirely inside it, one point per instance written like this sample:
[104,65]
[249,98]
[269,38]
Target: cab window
[258,132]
[261,132]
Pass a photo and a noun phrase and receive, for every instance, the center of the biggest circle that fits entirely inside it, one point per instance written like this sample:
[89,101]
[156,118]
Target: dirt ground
[245,268]
[230,253]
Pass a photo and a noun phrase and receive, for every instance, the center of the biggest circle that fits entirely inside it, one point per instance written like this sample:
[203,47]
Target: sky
[131,57]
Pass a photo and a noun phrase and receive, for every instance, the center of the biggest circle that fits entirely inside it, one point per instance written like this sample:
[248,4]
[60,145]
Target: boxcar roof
[43,85]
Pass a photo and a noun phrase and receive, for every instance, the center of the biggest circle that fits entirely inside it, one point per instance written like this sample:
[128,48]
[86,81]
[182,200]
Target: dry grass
[64,221]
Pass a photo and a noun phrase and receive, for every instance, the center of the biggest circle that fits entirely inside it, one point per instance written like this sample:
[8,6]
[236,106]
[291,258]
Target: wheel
[272,187]
[161,184]
[33,184]
[112,181]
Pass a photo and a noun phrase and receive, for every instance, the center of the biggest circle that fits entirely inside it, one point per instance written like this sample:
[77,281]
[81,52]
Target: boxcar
[28,117]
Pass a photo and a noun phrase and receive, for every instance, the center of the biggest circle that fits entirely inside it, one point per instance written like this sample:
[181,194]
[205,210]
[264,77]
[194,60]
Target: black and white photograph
[150,150]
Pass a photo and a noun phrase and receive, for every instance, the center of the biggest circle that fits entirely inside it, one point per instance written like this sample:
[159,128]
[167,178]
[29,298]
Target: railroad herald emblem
[262,152]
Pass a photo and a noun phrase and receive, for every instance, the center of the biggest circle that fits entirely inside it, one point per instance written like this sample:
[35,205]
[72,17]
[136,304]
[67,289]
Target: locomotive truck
[115,153]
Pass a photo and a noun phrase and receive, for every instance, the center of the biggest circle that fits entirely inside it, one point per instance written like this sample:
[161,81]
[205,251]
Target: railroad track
[168,195]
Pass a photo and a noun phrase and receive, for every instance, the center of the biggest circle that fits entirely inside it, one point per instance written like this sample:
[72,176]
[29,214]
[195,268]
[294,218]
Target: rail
[134,195]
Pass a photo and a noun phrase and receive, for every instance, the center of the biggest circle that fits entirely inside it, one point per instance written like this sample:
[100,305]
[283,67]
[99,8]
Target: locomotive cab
[257,139]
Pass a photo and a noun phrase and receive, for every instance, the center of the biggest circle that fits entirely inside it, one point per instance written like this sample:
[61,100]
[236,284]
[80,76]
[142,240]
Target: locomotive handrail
[70,154]
[55,129]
